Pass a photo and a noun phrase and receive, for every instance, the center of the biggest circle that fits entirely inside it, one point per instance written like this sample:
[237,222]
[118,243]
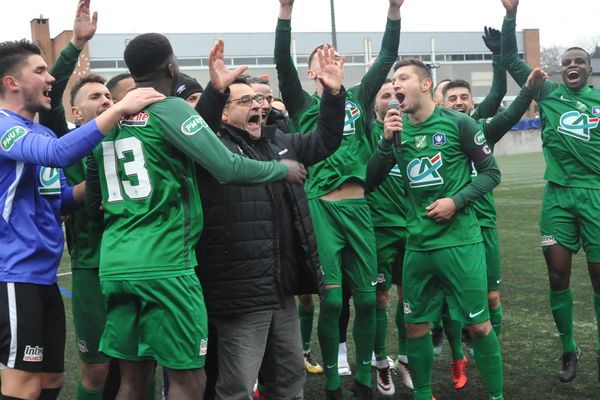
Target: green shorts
[346,242]
[455,275]
[391,246]
[89,314]
[570,218]
[492,257]
[163,319]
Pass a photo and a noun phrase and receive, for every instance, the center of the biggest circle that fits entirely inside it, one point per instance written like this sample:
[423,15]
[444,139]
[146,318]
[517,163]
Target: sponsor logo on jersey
[33,354]
[479,138]
[11,136]
[203,346]
[193,125]
[473,170]
[407,308]
[352,115]
[380,278]
[82,345]
[486,149]
[424,171]
[420,142]
[49,181]
[139,119]
[439,139]
[577,125]
[395,171]
[596,110]
[548,240]
[565,99]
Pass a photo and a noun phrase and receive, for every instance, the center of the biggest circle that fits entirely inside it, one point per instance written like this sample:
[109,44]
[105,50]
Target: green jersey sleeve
[516,67]
[495,128]
[188,132]
[489,106]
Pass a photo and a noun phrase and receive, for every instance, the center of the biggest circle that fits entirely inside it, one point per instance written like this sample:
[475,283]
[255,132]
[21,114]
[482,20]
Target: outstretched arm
[515,66]
[489,106]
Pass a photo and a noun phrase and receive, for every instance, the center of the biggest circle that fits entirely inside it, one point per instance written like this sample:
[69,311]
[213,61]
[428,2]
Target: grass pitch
[529,342]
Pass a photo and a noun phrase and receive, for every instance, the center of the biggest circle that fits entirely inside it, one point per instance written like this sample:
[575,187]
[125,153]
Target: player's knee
[93,375]
[415,331]
[479,330]
[383,297]
[364,301]
[493,299]
[22,386]
[306,301]
[53,380]
[331,303]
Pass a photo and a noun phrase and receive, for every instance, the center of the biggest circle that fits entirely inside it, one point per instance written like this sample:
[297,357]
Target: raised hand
[331,69]
[220,76]
[286,3]
[84,25]
[296,171]
[285,9]
[511,7]
[536,79]
[393,3]
[491,37]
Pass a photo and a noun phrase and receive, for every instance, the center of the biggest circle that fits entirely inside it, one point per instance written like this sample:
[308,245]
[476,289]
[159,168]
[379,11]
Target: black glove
[491,38]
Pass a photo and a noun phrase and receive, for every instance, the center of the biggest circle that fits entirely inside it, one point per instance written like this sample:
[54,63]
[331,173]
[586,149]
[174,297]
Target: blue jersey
[34,193]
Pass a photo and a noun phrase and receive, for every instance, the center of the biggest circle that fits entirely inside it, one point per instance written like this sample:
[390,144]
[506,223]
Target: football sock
[306,316]
[328,333]
[437,324]
[380,334]
[562,311]
[420,359]
[489,362]
[453,331]
[597,309]
[84,393]
[496,319]
[345,314]
[401,329]
[363,332]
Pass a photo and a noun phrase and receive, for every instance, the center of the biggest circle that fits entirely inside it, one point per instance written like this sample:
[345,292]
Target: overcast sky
[572,22]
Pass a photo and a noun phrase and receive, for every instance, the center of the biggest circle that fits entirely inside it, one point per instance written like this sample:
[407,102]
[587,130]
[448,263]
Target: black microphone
[395,105]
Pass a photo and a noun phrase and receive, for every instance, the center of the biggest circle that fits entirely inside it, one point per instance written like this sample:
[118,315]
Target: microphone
[395,105]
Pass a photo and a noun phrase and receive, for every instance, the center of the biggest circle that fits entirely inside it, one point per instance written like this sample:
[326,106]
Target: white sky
[572,22]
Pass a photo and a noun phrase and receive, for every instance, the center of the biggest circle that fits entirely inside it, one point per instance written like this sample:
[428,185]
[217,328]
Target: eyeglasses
[247,99]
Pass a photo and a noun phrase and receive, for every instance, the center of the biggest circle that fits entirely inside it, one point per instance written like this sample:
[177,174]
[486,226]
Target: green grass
[530,344]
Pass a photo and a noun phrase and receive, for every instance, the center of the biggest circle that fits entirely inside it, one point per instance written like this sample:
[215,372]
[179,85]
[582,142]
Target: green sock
[380,334]
[437,324]
[84,393]
[489,362]
[363,333]
[329,335]
[562,311]
[597,309]
[453,331]
[496,319]
[420,359]
[401,329]
[306,323]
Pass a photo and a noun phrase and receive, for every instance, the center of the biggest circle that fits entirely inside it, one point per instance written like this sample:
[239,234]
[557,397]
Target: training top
[34,193]
[435,159]
[388,201]
[570,129]
[152,210]
[349,161]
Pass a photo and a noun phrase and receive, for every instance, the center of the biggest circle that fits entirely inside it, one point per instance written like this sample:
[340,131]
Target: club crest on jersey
[596,110]
[193,125]
[420,142]
[577,125]
[407,308]
[49,181]
[439,139]
[352,115]
[139,119]
[203,347]
[424,171]
[11,136]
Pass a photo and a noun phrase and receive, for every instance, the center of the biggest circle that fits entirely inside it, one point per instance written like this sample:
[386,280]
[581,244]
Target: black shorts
[32,327]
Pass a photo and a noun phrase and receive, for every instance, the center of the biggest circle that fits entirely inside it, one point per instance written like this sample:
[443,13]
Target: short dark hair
[114,81]
[314,52]
[147,54]
[89,78]
[456,83]
[261,79]
[589,57]
[439,83]
[15,53]
[423,70]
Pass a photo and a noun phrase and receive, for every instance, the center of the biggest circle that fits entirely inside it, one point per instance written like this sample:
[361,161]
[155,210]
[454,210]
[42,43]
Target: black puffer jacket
[238,254]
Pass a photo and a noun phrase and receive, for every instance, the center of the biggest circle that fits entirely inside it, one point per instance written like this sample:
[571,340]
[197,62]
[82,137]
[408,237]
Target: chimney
[40,33]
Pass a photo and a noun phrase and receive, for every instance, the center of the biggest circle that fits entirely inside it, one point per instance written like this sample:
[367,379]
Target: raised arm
[293,95]
[516,67]
[489,106]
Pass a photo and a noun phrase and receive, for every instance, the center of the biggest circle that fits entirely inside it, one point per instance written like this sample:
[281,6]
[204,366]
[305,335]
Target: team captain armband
[480,149]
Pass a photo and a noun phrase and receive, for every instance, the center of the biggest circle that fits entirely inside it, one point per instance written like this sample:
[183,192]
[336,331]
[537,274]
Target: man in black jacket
[258,248]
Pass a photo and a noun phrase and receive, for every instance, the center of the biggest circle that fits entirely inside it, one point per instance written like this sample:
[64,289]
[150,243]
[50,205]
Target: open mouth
[46,92]
[254,121]
[573,75]
[400,97]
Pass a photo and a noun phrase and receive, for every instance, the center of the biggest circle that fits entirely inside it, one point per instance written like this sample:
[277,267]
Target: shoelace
[384,374]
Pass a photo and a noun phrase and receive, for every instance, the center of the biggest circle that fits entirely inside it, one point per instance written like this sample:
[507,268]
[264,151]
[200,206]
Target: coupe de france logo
[423,171]
[352,115]
[577,125]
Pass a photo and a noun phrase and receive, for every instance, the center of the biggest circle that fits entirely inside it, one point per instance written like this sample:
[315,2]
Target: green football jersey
[349,160]
[570,134]
[436,162]
[83,233]
[388,201]
[152,210]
